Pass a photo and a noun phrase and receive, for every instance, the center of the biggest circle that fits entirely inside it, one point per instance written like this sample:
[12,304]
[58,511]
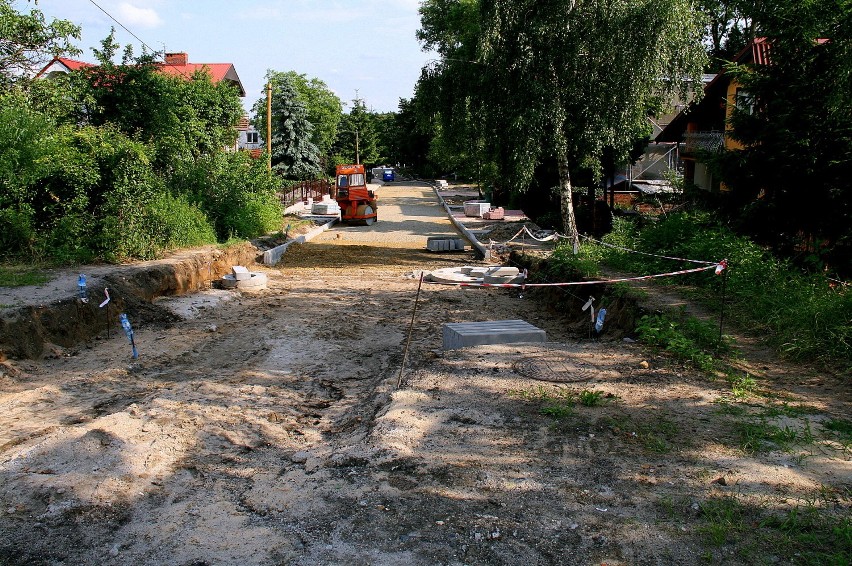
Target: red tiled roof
[218,71]
[70,64]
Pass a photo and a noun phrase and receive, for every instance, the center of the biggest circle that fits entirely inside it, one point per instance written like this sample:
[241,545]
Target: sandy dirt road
[267,428]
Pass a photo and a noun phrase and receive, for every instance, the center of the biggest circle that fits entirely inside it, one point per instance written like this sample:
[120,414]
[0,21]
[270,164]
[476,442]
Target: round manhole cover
[558,366]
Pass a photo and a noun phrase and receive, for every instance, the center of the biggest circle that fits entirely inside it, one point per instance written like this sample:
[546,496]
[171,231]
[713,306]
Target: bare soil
[267,428]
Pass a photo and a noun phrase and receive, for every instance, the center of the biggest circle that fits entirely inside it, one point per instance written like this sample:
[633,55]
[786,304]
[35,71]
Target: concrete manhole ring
[256,280]
[560,366]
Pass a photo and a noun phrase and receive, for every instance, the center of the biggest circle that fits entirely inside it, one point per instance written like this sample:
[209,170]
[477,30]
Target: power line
[151,49]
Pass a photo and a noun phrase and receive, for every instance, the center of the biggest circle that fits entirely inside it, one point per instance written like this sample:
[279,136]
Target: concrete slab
[504,271]
[240,273]
[464,334]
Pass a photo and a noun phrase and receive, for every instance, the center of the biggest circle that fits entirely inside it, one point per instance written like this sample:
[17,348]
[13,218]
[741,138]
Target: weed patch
[591,398]
[760,435]
[690,341]
[743,385]
[21,276]
[805,534]
[658,436]
[799,313]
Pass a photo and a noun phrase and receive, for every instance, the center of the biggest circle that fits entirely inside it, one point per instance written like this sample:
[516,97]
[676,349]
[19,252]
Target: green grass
[806,534]
[797,312]
[728,408]
[554,402]
[659,435]
[742,385]
[841,430]
[591,398]
[559,403]
[21,276]
[786,410]
[692,341]
[842,427]
[760,435]
[723,518]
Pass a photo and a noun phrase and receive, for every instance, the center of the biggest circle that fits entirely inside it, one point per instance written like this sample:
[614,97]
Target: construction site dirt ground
[268,428]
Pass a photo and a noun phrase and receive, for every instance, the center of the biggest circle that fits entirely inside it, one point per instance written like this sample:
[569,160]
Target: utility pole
[357,150]
[269,126]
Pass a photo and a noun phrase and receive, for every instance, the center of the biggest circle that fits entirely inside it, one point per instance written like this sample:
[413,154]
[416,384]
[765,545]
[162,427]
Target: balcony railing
[694,142]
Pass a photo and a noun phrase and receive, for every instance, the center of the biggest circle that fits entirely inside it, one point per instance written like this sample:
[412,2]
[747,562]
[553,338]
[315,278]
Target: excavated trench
[28,331]
[623,309]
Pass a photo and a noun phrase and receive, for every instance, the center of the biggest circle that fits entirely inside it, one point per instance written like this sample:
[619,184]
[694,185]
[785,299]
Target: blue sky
[368,45]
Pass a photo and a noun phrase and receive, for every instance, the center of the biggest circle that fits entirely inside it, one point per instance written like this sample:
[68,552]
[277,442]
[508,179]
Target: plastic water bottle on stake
[81,284]
[600,322]
[128,331]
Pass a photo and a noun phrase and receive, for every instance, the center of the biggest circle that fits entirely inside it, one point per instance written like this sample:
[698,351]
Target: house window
[744,101]
[252,137]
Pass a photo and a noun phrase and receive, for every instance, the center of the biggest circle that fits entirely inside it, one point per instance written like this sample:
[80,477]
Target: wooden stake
[410,328]
[722,307]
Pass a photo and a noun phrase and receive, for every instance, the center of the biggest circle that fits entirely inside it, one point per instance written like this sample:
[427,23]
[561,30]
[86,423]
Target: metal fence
[304,190]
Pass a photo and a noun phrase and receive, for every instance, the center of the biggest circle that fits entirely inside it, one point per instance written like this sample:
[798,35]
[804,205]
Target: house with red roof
[175,64]
[61,65]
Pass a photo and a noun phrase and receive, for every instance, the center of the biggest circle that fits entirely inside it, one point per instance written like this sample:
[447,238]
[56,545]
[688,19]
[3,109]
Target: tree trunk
[566,201]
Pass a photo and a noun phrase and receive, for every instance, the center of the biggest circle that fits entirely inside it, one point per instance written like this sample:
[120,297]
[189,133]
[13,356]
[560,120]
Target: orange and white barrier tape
[715,267]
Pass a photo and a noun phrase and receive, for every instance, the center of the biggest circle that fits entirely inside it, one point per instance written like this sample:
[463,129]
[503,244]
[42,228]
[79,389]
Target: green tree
[448,97]
[790,183]
[569,78]
[28,41]
[294,155]
[412,135]
[357,140]
[384,124]
[183,117]
[728,29]
[324,108]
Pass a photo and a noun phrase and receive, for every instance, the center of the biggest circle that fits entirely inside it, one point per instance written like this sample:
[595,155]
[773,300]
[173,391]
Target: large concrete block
[240,273]
[464,334]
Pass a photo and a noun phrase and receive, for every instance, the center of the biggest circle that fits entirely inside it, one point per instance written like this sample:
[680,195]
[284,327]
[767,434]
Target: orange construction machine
[357,202]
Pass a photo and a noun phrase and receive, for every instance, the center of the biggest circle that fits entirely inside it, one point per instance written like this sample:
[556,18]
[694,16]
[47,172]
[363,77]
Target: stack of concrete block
[444,244]
[325,208]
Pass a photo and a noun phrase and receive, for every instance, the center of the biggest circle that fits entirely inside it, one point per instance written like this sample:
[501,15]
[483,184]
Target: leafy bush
[235,191]
[17,234]
[564,265]
[179,223]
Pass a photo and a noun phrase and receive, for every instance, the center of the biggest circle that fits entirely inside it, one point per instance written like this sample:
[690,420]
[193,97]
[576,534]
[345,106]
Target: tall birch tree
[569,78]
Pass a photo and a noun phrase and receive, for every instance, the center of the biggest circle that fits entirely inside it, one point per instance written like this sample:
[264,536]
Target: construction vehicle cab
[357,202]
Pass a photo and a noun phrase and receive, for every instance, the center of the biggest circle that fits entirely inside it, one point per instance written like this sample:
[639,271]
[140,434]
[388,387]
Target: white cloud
[130,15]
